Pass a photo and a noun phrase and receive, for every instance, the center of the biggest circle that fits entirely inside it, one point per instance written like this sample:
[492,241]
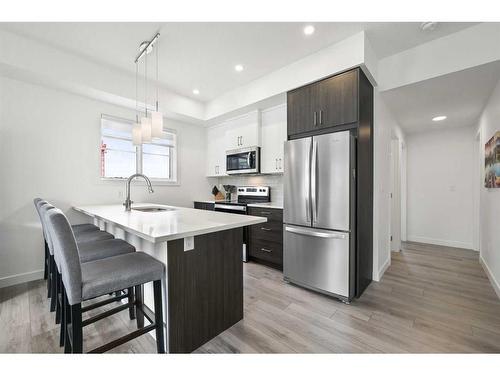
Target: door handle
[266,229]
[241,140]
[314,182]
[315,119]
[320,117]
[281,163]
[276,160]
[312,233]
[266,250]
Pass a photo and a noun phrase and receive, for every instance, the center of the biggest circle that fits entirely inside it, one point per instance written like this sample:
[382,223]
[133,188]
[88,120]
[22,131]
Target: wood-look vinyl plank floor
[432,299]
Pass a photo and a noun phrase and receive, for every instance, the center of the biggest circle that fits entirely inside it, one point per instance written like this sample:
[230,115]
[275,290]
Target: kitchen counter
[162,226]
[202,251]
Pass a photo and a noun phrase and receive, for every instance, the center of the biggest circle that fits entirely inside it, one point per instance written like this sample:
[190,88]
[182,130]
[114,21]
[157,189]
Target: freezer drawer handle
[266,250]
[315,234]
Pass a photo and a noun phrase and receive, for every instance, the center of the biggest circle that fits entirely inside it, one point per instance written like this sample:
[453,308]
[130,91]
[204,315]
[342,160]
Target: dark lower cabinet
[266,239]
[204,206]
[205,288]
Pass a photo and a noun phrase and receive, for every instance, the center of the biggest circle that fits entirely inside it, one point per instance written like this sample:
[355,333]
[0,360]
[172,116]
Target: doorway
[395,194]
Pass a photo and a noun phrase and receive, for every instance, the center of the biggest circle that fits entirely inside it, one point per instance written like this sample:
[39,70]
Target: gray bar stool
[77,228]
[88,251]
[85,281]
[83,236]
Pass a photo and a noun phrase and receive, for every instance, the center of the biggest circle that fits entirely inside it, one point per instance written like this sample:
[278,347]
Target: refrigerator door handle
[312,233]
[314,182]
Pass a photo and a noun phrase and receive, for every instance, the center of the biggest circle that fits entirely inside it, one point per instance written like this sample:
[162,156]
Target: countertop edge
[255,220]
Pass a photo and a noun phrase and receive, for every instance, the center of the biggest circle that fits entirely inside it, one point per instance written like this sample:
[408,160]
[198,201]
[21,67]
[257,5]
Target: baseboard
[435,241]
[21,278]
[382,269]
[494,283]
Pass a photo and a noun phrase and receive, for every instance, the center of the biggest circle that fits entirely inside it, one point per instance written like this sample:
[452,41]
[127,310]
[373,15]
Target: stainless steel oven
[245,160]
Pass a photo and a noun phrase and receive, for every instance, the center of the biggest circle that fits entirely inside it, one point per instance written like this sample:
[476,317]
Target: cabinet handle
[315,119]
[320,117]
[265,213]
[241,140]
[266,229]
[276,160]
[281,164]
[266,250]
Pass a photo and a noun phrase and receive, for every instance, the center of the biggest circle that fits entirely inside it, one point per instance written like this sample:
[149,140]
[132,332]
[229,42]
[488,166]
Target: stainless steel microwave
[243,160]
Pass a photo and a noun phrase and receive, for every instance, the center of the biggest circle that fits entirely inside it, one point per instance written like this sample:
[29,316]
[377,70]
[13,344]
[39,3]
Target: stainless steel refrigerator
[319,194]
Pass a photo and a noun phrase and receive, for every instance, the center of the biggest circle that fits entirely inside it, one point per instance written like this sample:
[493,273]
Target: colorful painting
[492,162]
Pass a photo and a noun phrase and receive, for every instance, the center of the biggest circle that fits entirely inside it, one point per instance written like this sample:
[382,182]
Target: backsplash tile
[274,181]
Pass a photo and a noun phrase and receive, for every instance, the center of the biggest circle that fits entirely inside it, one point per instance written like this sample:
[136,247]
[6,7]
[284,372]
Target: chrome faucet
[128,202]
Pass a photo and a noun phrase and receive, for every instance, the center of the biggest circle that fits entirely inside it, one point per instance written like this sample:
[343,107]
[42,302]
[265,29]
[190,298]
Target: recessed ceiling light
[439,118]
[196,91]
[309,30]
[428,26]
[238,68]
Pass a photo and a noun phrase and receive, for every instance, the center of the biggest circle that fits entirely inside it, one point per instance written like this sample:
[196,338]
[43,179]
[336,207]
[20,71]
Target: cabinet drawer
[270,231]
[267,251]
[272,214]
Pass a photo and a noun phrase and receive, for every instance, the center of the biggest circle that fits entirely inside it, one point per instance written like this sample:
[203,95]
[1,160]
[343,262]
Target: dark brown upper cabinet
[324,104]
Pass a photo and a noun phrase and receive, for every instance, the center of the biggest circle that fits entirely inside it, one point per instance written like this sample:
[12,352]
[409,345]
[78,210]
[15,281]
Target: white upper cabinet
[216,151]
[243,131]
[273,139]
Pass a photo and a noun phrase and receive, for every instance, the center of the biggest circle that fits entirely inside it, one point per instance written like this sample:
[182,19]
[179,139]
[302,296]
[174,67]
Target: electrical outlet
[188,243]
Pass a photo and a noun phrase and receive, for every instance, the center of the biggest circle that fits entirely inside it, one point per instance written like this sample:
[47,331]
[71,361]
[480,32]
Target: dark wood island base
[205,288]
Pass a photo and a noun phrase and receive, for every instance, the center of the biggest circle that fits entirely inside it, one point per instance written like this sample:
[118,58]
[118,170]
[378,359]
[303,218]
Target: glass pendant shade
[146,130]
[156,124]
[137,135]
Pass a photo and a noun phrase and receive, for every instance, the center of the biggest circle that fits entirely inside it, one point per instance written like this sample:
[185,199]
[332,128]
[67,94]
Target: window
[120,158]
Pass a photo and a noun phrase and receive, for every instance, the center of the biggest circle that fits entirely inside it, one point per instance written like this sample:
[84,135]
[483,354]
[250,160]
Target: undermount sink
[153,209]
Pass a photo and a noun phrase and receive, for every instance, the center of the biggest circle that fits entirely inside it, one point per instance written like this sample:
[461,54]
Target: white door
[395,197]
[273,139]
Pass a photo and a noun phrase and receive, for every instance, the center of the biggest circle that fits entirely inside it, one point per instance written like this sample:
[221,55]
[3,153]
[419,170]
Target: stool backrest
[39,202]
[65,246]
[44,208]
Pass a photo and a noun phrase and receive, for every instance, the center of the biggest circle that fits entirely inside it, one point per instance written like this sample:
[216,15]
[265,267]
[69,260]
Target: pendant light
[148,127]
[145,121]
[156,116]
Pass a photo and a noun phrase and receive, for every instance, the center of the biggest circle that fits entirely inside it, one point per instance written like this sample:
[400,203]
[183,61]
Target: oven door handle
[230,207]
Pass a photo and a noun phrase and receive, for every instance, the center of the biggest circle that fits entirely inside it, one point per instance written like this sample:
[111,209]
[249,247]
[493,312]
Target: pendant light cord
[157,78]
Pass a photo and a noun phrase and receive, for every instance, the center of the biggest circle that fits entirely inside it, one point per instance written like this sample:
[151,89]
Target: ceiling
[203,55]
[461,96]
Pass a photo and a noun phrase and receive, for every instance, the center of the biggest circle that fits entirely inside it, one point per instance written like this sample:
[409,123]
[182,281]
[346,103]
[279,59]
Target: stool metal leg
[76,328]
[62,332]
[46,261]
[53,284]
[67,318]
[139,301]
[57,296]
[49,276]
[131,300]
[160,345]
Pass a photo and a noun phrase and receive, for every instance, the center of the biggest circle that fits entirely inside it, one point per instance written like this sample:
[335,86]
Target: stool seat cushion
[92,236]
[78,228]
[90,251]
[108,275]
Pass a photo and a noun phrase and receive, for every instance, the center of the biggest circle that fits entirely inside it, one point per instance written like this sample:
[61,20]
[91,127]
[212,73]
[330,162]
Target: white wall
[49,148]
[384,126]
[440,187]
[490,198]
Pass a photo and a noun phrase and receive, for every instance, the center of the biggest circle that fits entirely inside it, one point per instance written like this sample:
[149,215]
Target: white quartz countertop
[162,226]
[276,205]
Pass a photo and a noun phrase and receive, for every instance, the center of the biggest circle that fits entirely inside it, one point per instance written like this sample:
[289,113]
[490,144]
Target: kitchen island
[202,253]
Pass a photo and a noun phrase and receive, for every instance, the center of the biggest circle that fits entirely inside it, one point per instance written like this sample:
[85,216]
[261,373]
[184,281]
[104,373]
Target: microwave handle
[248,159]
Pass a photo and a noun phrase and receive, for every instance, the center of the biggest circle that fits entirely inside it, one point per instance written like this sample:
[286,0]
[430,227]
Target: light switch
[188,243]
